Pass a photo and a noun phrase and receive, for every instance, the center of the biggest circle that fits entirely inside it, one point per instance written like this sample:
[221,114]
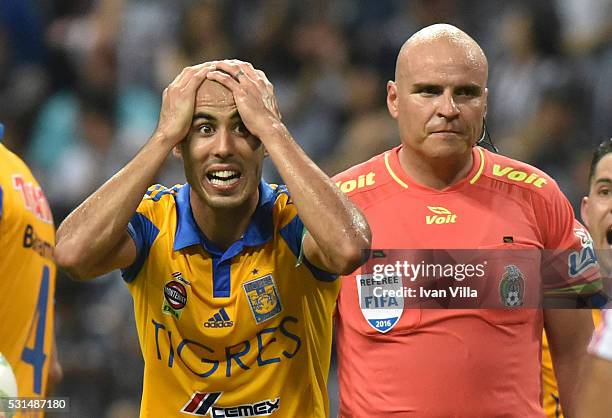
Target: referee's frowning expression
[222,160]
[439,96]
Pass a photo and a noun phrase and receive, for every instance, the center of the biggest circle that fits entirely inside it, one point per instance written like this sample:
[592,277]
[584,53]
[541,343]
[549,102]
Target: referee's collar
[258,232]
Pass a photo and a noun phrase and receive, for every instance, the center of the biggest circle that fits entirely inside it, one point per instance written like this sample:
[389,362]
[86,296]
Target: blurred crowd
[81,81]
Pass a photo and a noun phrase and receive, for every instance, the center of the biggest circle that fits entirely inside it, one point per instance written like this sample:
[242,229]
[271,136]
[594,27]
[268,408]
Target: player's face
[223,161]
[439,99]
[596,211]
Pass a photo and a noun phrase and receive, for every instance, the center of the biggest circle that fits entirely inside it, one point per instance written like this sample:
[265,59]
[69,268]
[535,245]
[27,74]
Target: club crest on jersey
[203,403]
[263,298]
[381,312]
[175,298]
[512,287]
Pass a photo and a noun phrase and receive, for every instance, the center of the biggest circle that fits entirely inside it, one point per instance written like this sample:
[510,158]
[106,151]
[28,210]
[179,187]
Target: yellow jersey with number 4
[27,275]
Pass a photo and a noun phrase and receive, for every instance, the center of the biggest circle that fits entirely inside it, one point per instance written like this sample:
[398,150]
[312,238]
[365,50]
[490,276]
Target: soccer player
[550,389]
[233,279]
[439,190]
[27,278]
[596,209]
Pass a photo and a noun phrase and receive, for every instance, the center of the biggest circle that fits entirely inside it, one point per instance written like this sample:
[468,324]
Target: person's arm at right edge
[595,383]
[93,239]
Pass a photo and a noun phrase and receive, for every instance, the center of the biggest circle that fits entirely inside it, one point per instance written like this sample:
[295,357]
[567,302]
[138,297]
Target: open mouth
[609,236]
[223,178]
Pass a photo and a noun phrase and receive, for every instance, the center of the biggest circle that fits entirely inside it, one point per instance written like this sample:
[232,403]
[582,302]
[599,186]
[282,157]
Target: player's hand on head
[178,102]
[253,93]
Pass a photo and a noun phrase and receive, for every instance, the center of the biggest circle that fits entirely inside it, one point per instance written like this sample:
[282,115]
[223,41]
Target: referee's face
[222,160]
[439,98]
[596,211]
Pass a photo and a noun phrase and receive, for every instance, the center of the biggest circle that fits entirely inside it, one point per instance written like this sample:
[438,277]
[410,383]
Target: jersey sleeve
[293,233]
[1,202]
[570,265]
[143,231]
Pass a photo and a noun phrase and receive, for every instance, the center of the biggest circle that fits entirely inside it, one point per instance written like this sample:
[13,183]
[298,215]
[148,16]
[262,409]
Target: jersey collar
[258,232]
[397,173]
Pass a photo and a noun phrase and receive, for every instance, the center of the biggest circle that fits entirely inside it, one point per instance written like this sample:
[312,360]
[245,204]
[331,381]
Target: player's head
[596,208]
[439,96]
[222,160]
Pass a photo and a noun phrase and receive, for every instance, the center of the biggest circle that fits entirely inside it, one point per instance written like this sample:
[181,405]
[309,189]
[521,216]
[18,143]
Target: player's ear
[177,152]
[486,94]
[392,99]
[584,213]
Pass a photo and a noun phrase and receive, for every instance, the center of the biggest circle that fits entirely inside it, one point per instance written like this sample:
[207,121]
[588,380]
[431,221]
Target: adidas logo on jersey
[219,320]
[442,216]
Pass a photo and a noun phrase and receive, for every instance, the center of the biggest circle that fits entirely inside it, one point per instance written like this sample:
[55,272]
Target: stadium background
[80,84]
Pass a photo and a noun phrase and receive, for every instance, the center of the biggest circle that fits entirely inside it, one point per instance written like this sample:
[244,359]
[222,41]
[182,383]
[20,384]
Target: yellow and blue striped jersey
[241,332]
[27,275]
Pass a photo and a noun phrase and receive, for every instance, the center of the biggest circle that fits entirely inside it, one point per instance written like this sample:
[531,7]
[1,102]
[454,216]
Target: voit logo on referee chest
[440,216]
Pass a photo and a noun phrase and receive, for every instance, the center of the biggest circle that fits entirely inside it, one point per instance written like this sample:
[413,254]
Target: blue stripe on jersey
[221,277]
[224,314]
[292,234]
[258,232]
[143,233]
[324,276]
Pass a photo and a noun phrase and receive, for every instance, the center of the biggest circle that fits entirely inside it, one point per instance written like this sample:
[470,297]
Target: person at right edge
[596,381]
[459,363]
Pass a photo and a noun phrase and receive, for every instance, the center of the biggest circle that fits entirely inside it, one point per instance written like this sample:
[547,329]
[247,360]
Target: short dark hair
[602,150]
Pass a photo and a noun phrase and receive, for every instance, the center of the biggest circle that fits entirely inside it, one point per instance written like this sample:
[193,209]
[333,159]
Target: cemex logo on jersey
[219,320]
[441,216]
[202,403]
